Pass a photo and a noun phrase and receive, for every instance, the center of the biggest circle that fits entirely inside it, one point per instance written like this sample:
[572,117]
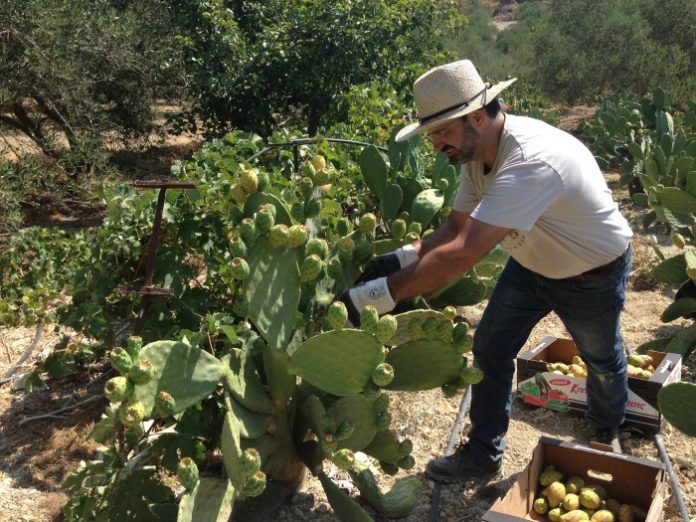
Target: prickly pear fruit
[297,211]
[141,372]
[297,236]
[239,268]
[133,346]
[445,330]
[254,485]
[344,430]
[312,208]
[311,268]
[118,389]
[574,484]
[472,375]
[346,244]
[238,194]
[430,326]
[412,237]
[249,181]
[250,461]
[383,420]
[641,361]
[407,462]
[187,472]
[247,229]
[603,515]
[334,268]
[264,220]
[449,312]
[549,475]
[131,413]
[638,512]
[278,235]
[238,247]
[383,374]
[344,227]
[121,361]
[555,492]
[389,468]
[405,447]
[571,501]
[600,490]
[367,223]
[678,240]
[613,505]
[589,498]
[415,227]
[337,315]
[322,177]
[364,250]
[555,514]
[381,403]
[398,228]
[308,170]
[541,506]
[344,459]
[576,515]
[264,181]
[317,246]
[386,328]
[306,187]
[165,405]
[319,162]
[369,318]
[626,513]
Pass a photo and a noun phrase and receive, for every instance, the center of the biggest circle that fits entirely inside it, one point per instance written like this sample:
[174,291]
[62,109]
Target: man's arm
[460,244]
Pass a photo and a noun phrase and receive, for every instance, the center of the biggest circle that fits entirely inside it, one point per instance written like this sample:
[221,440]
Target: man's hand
[387,264]
[374,292]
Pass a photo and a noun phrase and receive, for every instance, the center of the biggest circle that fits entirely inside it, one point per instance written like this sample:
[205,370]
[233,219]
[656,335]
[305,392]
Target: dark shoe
[460,466]
[607,437]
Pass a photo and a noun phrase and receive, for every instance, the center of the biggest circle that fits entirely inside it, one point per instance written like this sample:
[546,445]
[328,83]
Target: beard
[467,152]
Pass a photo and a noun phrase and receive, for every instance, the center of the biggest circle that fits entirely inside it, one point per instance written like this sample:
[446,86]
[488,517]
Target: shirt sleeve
[466,199]
[519,196]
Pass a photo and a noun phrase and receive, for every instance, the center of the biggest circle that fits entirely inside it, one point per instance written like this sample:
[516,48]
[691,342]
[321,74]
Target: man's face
[457,139]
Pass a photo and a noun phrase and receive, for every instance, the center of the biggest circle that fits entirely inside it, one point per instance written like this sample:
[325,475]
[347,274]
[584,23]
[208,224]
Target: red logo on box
[559,382]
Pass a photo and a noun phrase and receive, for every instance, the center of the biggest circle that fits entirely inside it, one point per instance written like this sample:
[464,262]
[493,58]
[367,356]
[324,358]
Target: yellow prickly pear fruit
[555,514]
[449,312]
[557,367]
[319,162]
[571,501]
[644,374]
[633,371]
[589,498]
[603,515]
[626,513]
[249,181]
[555,492]
[549,475]
[541,506]
[576,370]
[641,361]
[574,484]
[600,490]
[238,194]
[678,240]
[576,515]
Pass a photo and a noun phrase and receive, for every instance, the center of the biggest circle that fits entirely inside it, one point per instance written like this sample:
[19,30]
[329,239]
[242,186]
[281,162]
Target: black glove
[380,266]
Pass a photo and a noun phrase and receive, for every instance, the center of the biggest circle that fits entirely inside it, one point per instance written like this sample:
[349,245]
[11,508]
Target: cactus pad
[405,330]
[423,365]
[210,501]
[677,402]
[358,410]
[244,383]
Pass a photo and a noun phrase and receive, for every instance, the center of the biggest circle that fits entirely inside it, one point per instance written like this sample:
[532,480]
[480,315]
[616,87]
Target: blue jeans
[588,305]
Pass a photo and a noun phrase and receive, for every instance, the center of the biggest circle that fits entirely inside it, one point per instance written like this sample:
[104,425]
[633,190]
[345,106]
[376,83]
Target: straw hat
[447,92]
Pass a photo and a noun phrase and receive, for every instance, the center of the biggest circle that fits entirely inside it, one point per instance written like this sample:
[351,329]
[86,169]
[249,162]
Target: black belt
[601,272]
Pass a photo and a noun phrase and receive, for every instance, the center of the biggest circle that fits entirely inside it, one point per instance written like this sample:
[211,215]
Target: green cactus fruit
[312,208]
[344,459]
[307,170]
[346,244]
[389,468]
[311,268]
[600,490]
[386,328]
[460,333]
[449,390]
[297,236]
[405,447]
[407,462]
[278,235]
[398,228]
[574,484]
[555,514]
[430,327]
[449,312]
[297,212]
[334,268]
[414,330]
[589,498]
[549,475]
[264,181]
[412,237]
[118,389]
[337,315]
[141,372]
[250,461]
[678,240]
[554,493]
[238,194]
[133,346]
[249,181]
[368,223]
[445,330]
[264,220]
[415,227]
[306,187]
[383,374]
[254,485]
[471,375]
[383,420]
[364,250]
[238,248]
[344,227]
[541,506]
[317,246]
[319,162]
[187,472]
[121,361]
[344,430]
[239,268]
[369,318]
[322,177]
[131,413]
[165,405]
[345,256]
[247,229]
[381,403]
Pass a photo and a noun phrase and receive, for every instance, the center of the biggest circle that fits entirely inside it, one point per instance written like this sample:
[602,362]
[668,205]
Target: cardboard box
[630,480]
[539,387]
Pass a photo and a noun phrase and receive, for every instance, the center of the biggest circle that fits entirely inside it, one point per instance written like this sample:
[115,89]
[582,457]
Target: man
[538,192]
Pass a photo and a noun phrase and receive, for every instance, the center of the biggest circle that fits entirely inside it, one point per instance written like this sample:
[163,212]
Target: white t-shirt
[546,186]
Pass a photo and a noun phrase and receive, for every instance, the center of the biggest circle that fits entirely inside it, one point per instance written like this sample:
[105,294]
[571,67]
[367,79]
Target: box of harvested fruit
[552,375]
[568,482]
